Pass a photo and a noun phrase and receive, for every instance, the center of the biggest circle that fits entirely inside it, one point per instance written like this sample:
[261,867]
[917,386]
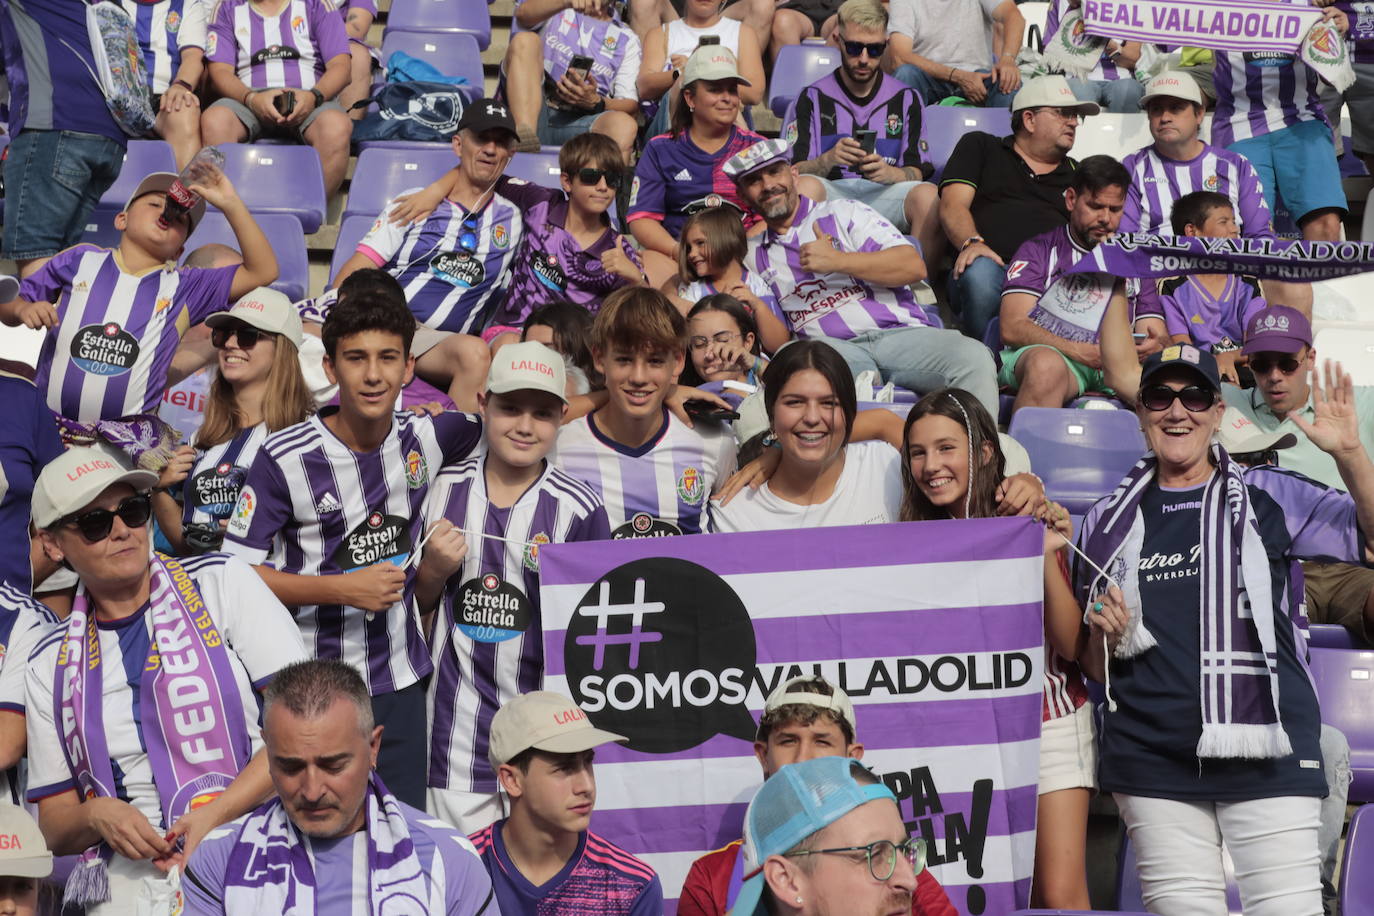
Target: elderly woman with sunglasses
[1212,729]
[141,710]
[258,389]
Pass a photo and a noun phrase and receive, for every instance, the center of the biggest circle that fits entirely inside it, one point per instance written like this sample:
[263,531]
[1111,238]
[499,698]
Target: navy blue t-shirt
[28,441]
[1149,745]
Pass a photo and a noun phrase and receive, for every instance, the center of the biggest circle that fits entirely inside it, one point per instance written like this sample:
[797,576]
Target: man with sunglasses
[141,708]
[886,171]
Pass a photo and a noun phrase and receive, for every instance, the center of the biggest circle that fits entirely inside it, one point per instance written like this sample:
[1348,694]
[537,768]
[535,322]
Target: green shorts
[1089,380]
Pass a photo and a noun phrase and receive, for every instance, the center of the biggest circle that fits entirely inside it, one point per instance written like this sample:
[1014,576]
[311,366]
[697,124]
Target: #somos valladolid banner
[934,629]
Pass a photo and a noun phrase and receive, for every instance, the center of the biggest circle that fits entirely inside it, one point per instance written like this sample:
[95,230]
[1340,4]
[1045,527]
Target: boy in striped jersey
[654,471]
[336,501]
[486,641]
[543,858]
[115,317]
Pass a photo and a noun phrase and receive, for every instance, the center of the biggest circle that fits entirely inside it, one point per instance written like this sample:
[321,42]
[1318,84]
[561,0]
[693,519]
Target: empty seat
[288,244]
[441,16]
[1357,866]
[381,174]
[1081,454]
[351,232]
[451,53]
[797,67]
[278,179]
[1346,693]
[1116,135]
[1035,13]
[1352,347]
[537,168]
[945,124]
[141,158]
[1332,636]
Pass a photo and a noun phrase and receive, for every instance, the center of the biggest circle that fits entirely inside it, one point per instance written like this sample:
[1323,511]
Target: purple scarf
[146,439]
[1238,680]
[193,721]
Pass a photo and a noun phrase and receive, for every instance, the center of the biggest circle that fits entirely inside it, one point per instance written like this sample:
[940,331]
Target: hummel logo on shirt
[327,503]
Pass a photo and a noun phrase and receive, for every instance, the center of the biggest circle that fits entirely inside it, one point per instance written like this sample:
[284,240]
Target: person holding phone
[574,71]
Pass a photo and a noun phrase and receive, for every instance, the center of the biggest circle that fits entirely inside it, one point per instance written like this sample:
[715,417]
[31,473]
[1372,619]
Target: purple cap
[1277,329]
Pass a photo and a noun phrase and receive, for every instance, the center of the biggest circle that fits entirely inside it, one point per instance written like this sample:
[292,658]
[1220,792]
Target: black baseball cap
[487,114]
[1182,356]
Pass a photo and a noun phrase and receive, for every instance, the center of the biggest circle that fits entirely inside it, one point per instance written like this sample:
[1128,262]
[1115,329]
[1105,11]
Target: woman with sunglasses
[1211,733]
[258,390]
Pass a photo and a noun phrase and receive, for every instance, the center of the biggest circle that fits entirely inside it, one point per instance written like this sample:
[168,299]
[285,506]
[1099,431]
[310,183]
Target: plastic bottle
[180,198]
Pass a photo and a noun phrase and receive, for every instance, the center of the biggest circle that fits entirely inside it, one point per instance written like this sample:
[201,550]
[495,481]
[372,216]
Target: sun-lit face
[1180,437]
[240,366]
[698,251]
[638,381]
[1054,125]
[483,157]
[809,419]
[793,742]
[841,883]
[142,223]
[370,368]
[864,66]
[937,454]
[1220,223]
[1282,378]
[520,426]
[706,332]
[1173,120]
[113,562]
[1095,215]
[557,792]
[772,190]
[597,196]
[713,101]
[320,766]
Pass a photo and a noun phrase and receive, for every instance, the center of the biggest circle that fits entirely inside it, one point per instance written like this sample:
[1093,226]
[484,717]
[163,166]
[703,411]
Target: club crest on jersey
[417,470]
[609,42]
[489,609]
[211,43]
[1210,183]
[104,349]
[634,191]
[243,512]
[500,235]
[689,488]
[298,25]
[380,538]
[173,21]
[894,126]
[790,134]
[531,555]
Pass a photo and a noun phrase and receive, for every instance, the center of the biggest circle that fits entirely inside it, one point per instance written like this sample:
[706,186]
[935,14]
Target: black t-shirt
[1010,202]
[1149,745]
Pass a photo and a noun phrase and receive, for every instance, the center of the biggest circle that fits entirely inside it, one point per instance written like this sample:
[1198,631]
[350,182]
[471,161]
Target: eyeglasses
[95,525]
[246,336]
[720,337]
[590,177]
[881,856]
[467,233]
[1065,114]
[855,48]
[1194,397]
[1263,365]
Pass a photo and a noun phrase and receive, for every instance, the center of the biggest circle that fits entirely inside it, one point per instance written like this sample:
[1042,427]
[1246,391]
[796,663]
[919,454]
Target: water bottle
[180,198]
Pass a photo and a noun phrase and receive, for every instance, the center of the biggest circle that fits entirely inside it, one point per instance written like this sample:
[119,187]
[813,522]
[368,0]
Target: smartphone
[866,138]
[285,103]
[1138,335]
[706,410]
[579,67]
[709,40]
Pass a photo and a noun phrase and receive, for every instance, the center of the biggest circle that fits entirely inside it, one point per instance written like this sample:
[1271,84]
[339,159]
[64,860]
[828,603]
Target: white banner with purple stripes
[933,628]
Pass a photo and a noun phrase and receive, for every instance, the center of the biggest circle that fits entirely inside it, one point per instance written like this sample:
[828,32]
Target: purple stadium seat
[1345,689]
[797,67]
[945,124]
[537,168]
[278,179]
[1357,867]
[1081,454]
[381,174]
[100,230]
[141,158]
[1333,636]
[351,232]
[441,16]
[451,53]
[288,243]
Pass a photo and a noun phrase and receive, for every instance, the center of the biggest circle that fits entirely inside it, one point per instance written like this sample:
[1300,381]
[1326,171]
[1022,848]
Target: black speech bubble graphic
[683,676]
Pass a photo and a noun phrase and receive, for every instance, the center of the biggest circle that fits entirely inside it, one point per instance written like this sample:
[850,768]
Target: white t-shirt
[952,33]
[683,39]
[869,492]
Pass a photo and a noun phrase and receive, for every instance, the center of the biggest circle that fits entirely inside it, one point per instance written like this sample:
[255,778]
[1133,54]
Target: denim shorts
[53,180]
[557,127]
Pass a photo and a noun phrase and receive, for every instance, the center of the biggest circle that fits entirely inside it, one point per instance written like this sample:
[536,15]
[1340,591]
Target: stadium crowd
[244,655]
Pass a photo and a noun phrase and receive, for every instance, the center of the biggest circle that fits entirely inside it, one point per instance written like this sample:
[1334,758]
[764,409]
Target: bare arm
[356,261]
[878,425]
[13,738]
[651,234]
[1013,30]
[1117,347]
[901,48]
[533,12]
[168,515]
[1063,618]
[653,80]
[751,68]
[335,77]
[1018,330]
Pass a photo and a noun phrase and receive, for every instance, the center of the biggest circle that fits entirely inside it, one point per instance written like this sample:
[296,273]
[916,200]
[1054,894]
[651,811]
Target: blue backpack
[417,102]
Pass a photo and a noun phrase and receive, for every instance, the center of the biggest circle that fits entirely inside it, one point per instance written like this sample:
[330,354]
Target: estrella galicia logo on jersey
[242,518]
[275,52]
[644,525]
[689,488]
[104,349]
[379,538]
[548,272]
[894,126]
[417,470]
[458,268]
[489,609]
[500,235]
[1267,59]
[215,491]
[531,555]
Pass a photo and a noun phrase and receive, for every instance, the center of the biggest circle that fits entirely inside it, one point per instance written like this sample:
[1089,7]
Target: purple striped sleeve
[328,33]
[206,290]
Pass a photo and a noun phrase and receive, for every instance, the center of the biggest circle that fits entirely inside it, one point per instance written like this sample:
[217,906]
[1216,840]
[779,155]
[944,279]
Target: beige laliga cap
[265,309]
[786,694]
[528,366]
[161,183]
[23,854]
[80,474]
[712,62]
[1050,92]
[1239,435]
[1172,84]
[545,721]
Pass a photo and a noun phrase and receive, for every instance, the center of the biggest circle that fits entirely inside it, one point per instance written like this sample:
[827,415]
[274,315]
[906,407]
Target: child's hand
[1226,365]
[38,315]
[415,208]
[444,551]
[729,356]
[216,188]
[177,469]
[614,260]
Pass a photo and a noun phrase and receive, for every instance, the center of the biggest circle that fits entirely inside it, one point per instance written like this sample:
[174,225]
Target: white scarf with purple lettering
[191,715]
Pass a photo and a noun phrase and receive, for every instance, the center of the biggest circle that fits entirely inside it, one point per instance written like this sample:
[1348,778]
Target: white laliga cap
[712,62]
[528,366]
[1239,435]
[77,476]
[545,721]
[1050,92]
[265,309]
[1173,84]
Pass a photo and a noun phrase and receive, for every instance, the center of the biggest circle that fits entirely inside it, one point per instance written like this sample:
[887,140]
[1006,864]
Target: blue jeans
[932,90]
[977,295]
[1118,95]
[923,359]
[53,180]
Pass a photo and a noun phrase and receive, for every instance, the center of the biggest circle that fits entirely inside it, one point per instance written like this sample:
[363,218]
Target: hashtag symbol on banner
[603,611]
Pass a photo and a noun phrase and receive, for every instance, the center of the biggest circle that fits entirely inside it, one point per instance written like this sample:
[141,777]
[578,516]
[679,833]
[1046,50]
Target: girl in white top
[667,48]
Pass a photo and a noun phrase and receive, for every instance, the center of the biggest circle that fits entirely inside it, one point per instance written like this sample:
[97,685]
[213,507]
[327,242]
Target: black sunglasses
[1194,397]
[613,177]
[95,525]
[875,49]
[1263,365]
[246,335]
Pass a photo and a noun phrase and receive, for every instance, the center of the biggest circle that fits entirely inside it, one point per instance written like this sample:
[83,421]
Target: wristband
[184,85]
[600,105]
[246,96]
[950,78]
[319,97]
[971,240]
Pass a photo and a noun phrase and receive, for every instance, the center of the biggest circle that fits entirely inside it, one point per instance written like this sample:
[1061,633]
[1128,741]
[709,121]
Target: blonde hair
[865,14]
[287,400]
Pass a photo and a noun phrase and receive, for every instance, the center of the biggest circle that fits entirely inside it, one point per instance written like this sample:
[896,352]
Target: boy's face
[558,792]
[370,368]
[142,224]
[521,426]
[1219,224]
[596,197]
[638,381]
[793,742]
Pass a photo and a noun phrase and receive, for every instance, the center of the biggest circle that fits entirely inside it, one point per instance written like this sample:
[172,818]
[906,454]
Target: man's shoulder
[607,854]
[446,841]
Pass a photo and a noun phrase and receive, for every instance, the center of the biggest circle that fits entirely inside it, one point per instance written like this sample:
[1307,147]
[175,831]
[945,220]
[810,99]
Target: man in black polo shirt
[999,191]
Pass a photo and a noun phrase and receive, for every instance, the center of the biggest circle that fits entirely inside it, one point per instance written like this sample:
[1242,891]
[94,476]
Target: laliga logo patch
[104,350]
[243,512]
[791,133]
[638,662]
[644,525]
[689,488]
[488,609]
[531,555]
[417,470]
[379,538]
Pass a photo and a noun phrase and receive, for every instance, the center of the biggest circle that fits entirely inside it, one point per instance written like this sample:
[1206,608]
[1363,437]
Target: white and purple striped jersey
[455,266]
[661,488]
[211,490]
[164,28]
[109,354]
[23,623]
[321,508]
[1360,38]
[614,49]
[833,304]
[1259,92]
[1157,181]
[488,637]
[261,641]
[695,290]
[290,49]
[1043,258]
